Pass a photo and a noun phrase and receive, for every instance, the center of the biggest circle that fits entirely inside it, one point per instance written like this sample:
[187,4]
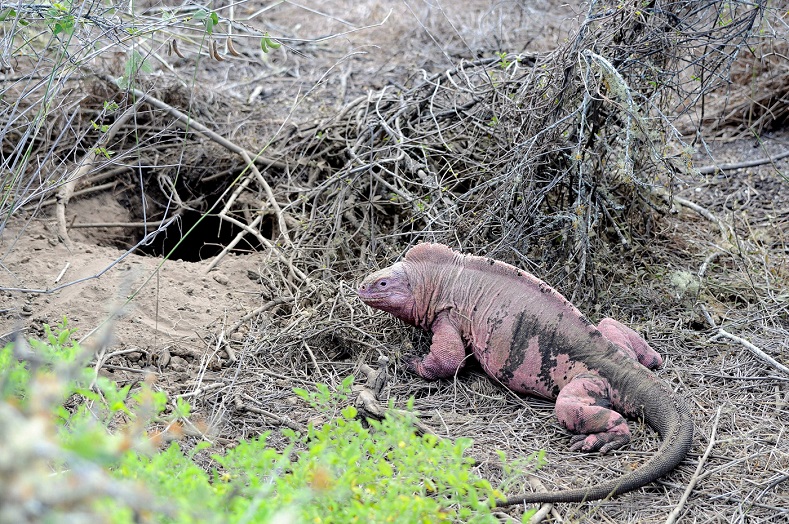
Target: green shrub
[339,472]
[56,446]
[343,471]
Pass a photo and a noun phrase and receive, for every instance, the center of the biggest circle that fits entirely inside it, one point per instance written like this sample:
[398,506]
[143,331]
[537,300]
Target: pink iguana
[532,340]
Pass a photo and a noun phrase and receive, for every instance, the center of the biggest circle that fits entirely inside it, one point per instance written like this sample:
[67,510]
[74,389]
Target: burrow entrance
[195,237]
[115,219]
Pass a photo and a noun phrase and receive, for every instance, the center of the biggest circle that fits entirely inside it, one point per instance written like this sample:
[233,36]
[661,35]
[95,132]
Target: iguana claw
[602,442]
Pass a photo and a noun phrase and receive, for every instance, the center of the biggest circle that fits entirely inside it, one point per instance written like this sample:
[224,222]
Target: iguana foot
[447,351]
[411,364]
[584,407]
[602,442]
[422,367]
[630,342]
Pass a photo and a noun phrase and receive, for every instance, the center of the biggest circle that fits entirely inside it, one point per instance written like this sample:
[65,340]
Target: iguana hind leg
[630,342]
[584,407]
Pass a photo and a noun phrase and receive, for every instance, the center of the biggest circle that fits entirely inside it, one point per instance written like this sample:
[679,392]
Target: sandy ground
[150,302]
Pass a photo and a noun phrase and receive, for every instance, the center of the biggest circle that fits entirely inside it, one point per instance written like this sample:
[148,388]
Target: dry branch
[706,170]
[675,513]
[545,509]
[726,230]
[189,123]
[87,164]
[722,333]
[281,420]
[368,396]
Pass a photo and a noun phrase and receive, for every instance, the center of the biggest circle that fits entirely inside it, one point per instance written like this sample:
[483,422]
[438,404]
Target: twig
[62,272]
[203,389]
[113,367]
[674,515]
[712,257]
[545,509]
[728,498]
[703,271]
[266,242]
[189,123]
[154,223]
[229,247]
[257,311]
[312,357]
[727,233]
[722,333]
[99,363]
[706,170]
[87,190]
[66,191]
[503,517]
[289,379]
[268,414]
[283,228]
[707,316]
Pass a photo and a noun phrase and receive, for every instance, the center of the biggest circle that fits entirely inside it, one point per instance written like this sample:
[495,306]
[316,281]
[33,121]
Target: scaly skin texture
[532,340]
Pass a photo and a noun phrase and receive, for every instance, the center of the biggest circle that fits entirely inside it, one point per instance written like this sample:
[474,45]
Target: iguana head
[390,291]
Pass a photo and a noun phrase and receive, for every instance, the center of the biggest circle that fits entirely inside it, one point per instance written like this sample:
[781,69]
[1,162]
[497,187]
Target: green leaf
[182,407]
[323,390]
[63,337]
[103,151]
[64,25]
[271,43]
[302,393]
[349,412]
[198,448]
[385,469]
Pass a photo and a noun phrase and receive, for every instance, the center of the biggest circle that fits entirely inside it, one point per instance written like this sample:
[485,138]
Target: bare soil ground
[204,333]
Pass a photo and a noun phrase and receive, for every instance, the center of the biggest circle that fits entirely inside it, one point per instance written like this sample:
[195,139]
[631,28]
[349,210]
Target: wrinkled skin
[530,339]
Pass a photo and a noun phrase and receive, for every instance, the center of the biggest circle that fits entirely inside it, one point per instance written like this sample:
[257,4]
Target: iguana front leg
[584,407]
[447,351]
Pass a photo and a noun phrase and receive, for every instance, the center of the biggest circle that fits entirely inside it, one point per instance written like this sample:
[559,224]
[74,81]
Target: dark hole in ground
[207,240]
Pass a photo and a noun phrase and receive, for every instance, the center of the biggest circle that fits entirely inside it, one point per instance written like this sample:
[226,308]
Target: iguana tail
[665,413]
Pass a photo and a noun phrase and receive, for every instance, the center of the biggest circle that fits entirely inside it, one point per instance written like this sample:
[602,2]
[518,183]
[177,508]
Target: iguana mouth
[367,296]
[372,297]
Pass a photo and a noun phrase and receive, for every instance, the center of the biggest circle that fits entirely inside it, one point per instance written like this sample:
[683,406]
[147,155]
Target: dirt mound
[147,304]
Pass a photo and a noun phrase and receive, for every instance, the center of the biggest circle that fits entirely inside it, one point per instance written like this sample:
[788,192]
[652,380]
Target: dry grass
[553,160]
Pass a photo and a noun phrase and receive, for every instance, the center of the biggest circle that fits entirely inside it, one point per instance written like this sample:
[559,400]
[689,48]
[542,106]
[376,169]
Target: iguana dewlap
[532,340]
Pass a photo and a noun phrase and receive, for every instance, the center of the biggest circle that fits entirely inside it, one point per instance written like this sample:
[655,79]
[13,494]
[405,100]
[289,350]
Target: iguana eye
[382,283]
